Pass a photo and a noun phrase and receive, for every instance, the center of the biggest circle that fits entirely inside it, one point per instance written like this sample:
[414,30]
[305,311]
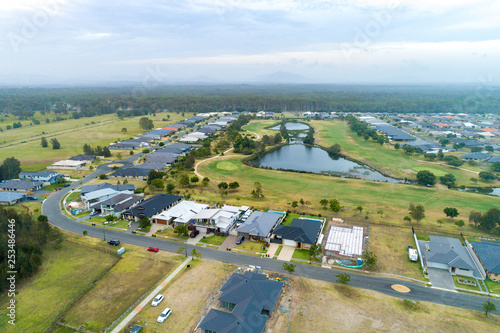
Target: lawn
[119,289]
[493,287]
[187,296]
[315,303]
[252,246]
[72,135]
[63,276]
[301,254]
[385,158]
[215,240]
[281,187]
[289,218]
[51,187]
[465,286]
[259,127]
[169,232]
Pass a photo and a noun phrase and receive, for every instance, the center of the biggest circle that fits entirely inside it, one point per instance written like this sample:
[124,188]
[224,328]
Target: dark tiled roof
[20,184]
[82,157]
[251,293]
[120,202]
[131,172]
[153,205]
[299,230]
[476,156]
[122,187]
[489,254]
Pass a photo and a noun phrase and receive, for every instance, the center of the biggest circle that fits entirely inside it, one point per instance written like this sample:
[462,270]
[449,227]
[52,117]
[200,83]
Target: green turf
[465,286]
[65,273]
[215,240]
[289,218]
[252,246]
[385,158]
[493,287]
[301,254]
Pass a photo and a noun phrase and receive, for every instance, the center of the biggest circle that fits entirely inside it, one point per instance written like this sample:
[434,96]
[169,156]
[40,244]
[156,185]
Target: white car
[157,300]
[164,315]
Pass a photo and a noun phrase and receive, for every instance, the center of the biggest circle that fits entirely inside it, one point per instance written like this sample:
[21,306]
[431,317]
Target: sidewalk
[148,299]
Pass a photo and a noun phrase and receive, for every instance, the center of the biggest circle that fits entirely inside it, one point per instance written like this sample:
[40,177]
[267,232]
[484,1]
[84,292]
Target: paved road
[418,292]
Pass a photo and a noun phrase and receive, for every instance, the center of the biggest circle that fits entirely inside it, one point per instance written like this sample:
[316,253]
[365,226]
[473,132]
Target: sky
[324,41]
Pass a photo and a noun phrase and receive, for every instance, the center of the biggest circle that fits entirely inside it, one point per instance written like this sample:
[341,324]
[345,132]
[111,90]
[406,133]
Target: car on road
[67,185]
[114,242]
[240,240]
[157,300]
[194,233]
[164,315]
[153,249]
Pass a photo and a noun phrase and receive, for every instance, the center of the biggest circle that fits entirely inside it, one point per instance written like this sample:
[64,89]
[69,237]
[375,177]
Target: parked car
[240,240]
[194,233]
[67,185]
[157,300]
[114,242]
[164,315]
[153,249]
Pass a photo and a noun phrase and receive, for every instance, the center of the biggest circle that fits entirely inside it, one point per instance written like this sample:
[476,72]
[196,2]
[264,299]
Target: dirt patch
[119,165]
[410,171]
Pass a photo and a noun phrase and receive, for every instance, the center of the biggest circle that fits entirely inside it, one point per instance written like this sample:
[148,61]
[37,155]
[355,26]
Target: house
[91,198]
[301,233]
[67,164]
[45,176]
[246,302]
[11,198]
[476,156]
[215,219]
[82,157]
[151,166]
[117,204]
[181,213]
[259,225]
[447,254]
[393,133]
[488,254]
[16,185]
[130,173]
[121,187]
[162,157]
[494,159]
[151,206]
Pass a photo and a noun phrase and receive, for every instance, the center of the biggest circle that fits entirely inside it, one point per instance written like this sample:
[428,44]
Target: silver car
[164,315]
[157,300]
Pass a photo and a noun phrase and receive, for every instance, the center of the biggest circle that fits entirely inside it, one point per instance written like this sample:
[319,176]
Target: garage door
[288,242]
[160,221]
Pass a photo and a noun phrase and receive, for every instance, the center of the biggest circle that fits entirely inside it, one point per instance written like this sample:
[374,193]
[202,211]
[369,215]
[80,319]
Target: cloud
[95,35]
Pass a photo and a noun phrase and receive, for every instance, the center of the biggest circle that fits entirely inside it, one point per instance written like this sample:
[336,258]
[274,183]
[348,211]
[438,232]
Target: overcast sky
[338,41]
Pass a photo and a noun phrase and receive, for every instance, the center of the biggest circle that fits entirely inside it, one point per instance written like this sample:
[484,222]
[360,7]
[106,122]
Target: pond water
[495,191]
[292,127]
[298,157]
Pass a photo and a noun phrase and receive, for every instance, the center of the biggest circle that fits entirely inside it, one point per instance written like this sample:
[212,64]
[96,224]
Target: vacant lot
[186,295]
[65,273]
[326,307]
[119,289]
[386,158]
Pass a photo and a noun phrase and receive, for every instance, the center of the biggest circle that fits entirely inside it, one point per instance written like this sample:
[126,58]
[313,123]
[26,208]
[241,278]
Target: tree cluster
[99,151]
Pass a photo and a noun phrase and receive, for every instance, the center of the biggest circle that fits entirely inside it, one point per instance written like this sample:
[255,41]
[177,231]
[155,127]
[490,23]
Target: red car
[194,233]
[153,249]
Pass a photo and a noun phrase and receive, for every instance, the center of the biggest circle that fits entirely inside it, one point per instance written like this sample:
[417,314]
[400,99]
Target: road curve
[51,208]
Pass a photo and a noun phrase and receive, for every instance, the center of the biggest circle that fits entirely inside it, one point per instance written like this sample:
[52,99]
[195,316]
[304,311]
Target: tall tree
[146,124]
[44,142]
[10,168]
[417,212]
[55,143]
[451,212]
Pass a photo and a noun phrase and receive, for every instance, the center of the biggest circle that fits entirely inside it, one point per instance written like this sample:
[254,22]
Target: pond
[298,157]
[292,127]
[495,191]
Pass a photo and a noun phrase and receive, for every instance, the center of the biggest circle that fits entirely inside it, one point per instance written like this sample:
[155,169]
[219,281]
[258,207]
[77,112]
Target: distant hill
[281,77]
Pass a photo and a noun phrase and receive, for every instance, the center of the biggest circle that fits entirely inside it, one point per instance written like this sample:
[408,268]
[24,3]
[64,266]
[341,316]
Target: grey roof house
[16,185]
[152,206]
[301,233]
[259,225]
[488,254]
[246,301]
[11,198]
[448,254]
[116,205]
[122,187]
[45,176]
[476,156]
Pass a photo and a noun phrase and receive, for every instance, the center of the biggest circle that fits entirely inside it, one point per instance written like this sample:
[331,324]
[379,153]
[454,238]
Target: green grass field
[24,143]
[385,158]
[251,246]
[289,218]
[281,187]
[465,286]
[63,276]
[215,240]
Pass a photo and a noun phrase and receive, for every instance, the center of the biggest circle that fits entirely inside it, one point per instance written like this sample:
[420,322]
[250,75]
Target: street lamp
[104,231]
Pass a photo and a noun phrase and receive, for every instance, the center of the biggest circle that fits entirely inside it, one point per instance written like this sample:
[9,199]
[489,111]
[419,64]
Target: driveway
[195,240]
[230,241]
[273,247]
[441,278]
[286,253]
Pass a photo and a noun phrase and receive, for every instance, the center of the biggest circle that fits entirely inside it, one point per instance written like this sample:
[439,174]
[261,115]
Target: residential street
[418,292]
